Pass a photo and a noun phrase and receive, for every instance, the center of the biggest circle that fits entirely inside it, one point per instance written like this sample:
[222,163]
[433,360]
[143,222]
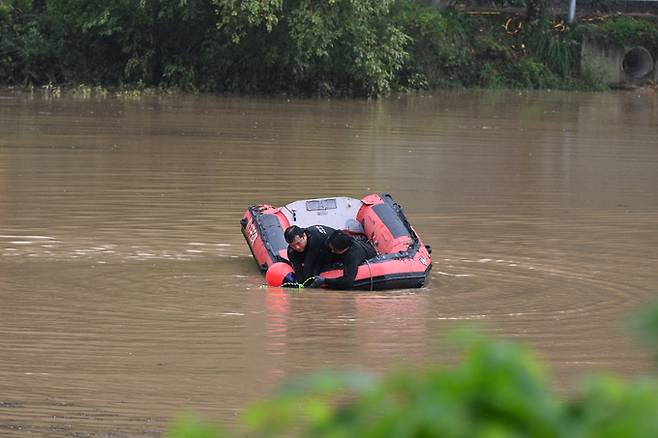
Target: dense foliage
[498,390]
[303,46]
[627,31]
[331,47]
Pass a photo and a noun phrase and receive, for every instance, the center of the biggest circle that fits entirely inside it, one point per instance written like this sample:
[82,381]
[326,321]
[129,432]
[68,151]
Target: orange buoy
[277,273]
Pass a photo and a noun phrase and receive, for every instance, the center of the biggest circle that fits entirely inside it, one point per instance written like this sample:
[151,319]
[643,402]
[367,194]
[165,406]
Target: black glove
[317,281]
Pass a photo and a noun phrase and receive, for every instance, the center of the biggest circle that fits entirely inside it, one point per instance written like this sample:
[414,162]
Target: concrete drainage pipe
[638,63]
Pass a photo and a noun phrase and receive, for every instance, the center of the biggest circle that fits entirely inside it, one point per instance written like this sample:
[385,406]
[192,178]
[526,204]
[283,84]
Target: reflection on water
[128,294]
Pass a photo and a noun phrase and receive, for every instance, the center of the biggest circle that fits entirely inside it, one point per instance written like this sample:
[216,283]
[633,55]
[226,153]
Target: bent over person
[307,250]
[351,253]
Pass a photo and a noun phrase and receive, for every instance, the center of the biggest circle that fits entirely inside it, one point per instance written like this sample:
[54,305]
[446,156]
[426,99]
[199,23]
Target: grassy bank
[304,47]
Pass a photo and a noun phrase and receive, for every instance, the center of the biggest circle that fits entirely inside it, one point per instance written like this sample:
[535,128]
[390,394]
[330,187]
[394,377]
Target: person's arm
[351,262]
[295,260]
[311,262]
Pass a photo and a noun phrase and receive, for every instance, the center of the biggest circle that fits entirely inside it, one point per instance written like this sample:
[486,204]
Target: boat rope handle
[299,285]
[293,212]
[372,286]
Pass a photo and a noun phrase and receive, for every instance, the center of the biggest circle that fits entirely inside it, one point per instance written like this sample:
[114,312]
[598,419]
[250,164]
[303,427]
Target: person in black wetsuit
[351,252]
[308,252]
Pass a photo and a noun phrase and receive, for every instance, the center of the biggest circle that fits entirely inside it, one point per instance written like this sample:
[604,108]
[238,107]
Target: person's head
[296,238]
[339,242]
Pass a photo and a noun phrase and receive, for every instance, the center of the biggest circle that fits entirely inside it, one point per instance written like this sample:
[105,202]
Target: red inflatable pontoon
[403,261]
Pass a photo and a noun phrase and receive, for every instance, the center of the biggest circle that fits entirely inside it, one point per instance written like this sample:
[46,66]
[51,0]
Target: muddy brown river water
[128,294]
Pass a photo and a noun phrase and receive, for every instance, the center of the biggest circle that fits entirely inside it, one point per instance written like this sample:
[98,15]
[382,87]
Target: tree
[317,45]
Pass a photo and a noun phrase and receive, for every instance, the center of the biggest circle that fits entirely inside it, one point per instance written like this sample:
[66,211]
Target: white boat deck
[337,212]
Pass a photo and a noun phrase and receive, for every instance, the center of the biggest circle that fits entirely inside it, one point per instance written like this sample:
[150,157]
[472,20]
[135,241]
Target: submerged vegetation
[335,47]
[498,390]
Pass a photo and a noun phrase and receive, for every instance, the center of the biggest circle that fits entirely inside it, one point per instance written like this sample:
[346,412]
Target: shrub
[623,31]
[439,50]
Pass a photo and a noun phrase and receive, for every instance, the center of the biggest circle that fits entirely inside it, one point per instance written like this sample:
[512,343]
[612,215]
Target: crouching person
[349,251]
[307,250]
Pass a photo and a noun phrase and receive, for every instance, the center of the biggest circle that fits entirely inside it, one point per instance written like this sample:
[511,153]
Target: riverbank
[366,48]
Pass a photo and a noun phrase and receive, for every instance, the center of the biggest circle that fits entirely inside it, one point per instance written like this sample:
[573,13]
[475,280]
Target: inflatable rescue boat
[402,260]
